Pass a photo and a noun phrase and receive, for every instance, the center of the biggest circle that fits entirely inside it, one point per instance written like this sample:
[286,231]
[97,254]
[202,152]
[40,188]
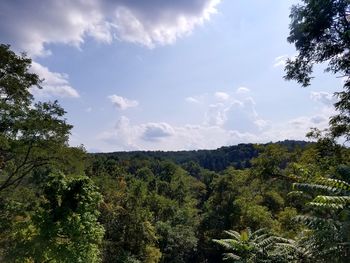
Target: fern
[258,246]
[329,223]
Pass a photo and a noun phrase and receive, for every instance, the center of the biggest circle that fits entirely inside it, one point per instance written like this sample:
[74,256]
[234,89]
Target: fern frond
[313,221]
[231,256]
[259,231]
[331,202]
[332,199]
[334,183]
[233,234]
[258,238]
[266,242]
[326,205]
[226,243]
[249,232]
[315,187]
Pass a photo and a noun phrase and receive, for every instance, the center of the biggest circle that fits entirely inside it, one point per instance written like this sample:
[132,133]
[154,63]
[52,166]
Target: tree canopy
[32,134]
[320,31]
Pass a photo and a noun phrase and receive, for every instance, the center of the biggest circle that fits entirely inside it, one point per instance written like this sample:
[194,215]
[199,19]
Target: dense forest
[238,156]
[276,202]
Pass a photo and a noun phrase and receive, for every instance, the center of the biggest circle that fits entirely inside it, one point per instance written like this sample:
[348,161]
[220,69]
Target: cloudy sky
[167,75]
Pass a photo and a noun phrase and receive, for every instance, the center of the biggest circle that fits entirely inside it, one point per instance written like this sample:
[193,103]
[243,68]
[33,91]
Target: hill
[238,156]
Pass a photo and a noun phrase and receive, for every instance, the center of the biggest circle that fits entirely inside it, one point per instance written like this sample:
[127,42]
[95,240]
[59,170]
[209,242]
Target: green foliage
[329,218]
[237,156]
[150,213]
[59,227]
[31,134]
[320,31]
[258,246]
[288,225]
[45,217]
[271,161]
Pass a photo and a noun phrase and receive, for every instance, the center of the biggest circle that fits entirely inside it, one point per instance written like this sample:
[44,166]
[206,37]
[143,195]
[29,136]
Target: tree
[271,161]
[31,134]
[320,30]
[60,226]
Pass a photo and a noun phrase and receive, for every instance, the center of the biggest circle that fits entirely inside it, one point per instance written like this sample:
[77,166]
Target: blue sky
[168,75]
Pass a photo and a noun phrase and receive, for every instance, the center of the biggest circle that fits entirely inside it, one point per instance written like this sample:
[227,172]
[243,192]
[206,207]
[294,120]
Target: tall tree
[320,30]
[31,134]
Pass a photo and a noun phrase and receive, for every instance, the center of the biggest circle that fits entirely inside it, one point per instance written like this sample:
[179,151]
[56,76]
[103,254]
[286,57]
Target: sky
[168,75]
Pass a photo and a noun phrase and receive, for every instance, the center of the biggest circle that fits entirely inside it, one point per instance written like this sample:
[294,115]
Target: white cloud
[216,115]
[156,131]
[191,100]
[241,115]
[225,123]
[324,97]
[242,90]
[122,137]
[54,84]
[164,136]
[234,112]
[154,23]
[261,124]
[231,111]
[122,103]
[221,96]
[148,23]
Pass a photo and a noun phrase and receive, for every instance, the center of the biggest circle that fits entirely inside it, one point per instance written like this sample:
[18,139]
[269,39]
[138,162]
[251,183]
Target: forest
[286,201]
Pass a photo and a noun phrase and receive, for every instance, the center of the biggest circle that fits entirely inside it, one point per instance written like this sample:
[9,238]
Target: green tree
[320,30]
[270,162]
[31,134]
[130,234]
[61,226]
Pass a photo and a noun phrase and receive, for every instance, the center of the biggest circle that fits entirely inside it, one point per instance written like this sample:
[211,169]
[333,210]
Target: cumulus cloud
[54,84]
[225,123]
[216,115]
[168,20]
[242,116]
[242,90]
[126,136]
[122,137]
[148,23]
[192,100]
[156,131]
[324,97]
[122,103]
[221,96]
[234,111]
